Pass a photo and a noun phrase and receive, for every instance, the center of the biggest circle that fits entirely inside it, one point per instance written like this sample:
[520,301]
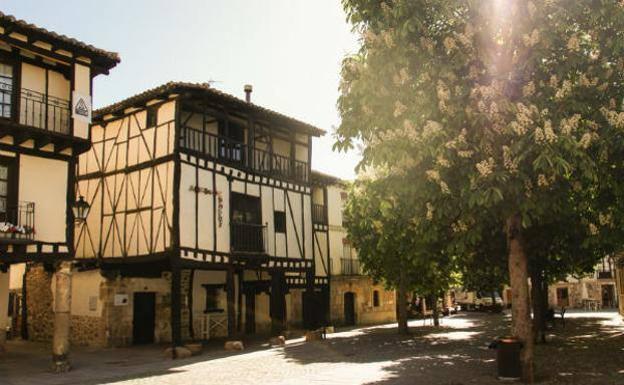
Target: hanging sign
[81,107]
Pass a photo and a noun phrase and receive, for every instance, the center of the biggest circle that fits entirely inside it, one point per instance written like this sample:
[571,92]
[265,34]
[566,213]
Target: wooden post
[277,302]
[4,304]
[176,308]
[239,304]
[231,295]
[62,318]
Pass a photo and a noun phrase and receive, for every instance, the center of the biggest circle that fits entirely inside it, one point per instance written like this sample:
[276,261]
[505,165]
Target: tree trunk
[435,312]
[537,304]
[62,311]
[519,279]
[401,304]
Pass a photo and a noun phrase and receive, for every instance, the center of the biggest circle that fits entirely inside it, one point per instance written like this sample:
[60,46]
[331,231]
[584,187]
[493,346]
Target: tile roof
[320,178]
[111,58]
[204,89]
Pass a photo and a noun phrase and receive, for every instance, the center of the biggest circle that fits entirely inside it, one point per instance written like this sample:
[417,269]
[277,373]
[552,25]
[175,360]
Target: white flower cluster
[574,44]
[569,125]
[593,229]
[434,176]
[524,118]
[410,130]
[532,9]
[532,39]
[427,44]
[509,162]
[542,181]
[442,161]
[387,38]
[429,211]
[449,44]
[402,77]
[616,119]
[431,128]
[564,90]
[399,108]
[545,134]
[605,219]
[528,89]
[586,140]
[459,227]
[486,167]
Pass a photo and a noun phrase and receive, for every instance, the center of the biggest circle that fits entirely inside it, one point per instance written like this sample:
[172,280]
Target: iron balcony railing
[18,222]
[36,109]
[237,153]
[319,215]
[605,275]
[350,266]
[248,237]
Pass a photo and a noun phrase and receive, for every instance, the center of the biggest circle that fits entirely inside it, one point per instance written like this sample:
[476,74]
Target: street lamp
[81,209]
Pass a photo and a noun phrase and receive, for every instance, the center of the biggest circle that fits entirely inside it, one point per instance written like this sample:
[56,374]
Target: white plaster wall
[86,290]
[16,275]
[82,84]
[44,182]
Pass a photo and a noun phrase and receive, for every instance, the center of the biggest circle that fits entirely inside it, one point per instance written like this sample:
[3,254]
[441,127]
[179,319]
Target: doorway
[349,308]
[562,297]
[608,296]
[144,318]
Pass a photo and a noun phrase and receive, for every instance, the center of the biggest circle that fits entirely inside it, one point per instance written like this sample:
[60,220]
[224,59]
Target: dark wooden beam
[230,290]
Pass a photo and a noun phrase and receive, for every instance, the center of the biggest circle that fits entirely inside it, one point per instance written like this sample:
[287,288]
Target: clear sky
[290,50]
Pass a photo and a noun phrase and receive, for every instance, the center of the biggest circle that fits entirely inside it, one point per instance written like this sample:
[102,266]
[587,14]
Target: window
[7,188]
[346,249]
[280,221]
[376,298]
[232,141]
[6,90]
[152,117]
[212,298]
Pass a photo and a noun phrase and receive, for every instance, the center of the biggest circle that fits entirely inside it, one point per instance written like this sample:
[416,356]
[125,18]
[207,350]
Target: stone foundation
[40,316]
[87,331]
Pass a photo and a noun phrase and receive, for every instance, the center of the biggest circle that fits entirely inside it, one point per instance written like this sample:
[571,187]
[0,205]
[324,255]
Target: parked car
[480,300]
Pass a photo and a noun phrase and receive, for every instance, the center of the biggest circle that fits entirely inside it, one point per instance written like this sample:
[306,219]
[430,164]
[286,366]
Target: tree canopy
[504,109]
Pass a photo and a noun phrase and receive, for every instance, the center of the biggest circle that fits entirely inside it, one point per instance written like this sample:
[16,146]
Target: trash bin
[508,358]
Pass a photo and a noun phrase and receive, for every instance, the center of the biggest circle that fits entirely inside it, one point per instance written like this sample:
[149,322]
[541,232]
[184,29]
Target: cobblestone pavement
[589,350]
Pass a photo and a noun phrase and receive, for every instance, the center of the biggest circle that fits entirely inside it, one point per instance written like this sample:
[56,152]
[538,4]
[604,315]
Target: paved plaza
[589,350]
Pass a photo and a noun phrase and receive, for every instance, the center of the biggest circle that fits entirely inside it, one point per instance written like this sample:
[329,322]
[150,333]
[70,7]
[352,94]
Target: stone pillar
[4,304]
[277,302]
[62,318]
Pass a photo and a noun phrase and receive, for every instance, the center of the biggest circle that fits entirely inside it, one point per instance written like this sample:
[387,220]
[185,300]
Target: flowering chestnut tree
[506,109]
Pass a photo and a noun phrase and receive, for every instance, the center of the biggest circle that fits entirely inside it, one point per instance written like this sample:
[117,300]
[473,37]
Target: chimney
[248,89]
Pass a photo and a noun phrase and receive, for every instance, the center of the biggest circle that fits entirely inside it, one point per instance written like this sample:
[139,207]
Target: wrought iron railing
[605,275]
[248,237]
[18,222]
[231,151]
[319,215]
[36,109]
[350,266]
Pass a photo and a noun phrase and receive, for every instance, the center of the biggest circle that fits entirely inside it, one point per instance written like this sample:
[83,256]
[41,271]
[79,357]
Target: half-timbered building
[200,221]
[45,106]
[353,297]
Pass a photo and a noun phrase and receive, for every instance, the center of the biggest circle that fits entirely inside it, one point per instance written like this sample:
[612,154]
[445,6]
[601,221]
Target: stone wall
[365,312]
[87,331]
[40,316]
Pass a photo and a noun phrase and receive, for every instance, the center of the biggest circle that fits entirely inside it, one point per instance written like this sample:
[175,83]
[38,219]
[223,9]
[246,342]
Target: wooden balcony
[248,238]
[17,224]
[31,115]
[241,155]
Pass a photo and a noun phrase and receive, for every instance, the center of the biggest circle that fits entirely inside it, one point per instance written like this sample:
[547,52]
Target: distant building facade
[595,291]
[355,299]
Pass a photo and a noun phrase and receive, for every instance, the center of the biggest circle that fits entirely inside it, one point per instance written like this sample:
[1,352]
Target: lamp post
[81,209]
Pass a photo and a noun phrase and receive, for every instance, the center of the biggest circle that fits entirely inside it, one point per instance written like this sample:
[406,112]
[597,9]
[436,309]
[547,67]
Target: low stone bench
[277,341]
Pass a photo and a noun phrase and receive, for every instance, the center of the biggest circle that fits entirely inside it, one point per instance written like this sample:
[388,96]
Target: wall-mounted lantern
[81,210]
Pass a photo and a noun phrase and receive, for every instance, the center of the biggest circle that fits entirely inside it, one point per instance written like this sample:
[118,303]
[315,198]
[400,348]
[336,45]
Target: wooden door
[349,308]
[144,318]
